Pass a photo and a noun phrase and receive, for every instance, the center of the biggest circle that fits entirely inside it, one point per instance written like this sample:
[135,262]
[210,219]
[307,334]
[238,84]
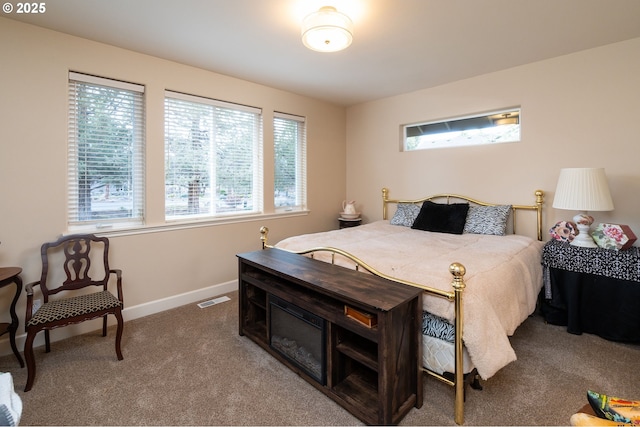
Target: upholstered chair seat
[81,305]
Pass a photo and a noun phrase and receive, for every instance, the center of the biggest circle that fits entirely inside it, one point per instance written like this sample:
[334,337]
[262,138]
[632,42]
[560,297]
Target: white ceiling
[399,45]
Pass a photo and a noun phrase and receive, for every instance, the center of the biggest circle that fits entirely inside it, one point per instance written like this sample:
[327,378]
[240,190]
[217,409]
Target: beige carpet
[189,366]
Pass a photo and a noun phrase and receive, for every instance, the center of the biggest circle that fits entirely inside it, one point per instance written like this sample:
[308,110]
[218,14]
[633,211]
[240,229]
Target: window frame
[152,218]
[136,157]
[300,162]
[257,162]
[464,131]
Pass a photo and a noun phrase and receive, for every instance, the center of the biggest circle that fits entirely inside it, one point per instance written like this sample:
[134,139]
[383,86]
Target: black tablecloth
[592,290]
[594,304]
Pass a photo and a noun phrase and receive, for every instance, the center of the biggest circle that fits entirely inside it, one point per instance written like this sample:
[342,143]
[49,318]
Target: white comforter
[503,277]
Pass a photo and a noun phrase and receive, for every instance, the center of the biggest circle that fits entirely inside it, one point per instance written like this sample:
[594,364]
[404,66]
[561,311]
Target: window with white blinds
[290,152]
[105,152]
[213,158]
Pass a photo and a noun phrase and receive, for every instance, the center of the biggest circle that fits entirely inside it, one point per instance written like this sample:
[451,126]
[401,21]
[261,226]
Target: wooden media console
[352,335]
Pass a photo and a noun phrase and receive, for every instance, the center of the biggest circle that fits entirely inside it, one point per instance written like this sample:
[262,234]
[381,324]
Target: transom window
[490,128]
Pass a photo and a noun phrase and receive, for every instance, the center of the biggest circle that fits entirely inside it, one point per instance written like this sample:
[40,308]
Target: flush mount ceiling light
[327,30]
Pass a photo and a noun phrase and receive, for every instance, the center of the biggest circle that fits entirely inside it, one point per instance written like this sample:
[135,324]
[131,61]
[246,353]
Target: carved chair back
[77,252]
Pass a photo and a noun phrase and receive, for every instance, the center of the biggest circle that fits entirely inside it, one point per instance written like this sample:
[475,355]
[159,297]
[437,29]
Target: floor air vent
[214,301]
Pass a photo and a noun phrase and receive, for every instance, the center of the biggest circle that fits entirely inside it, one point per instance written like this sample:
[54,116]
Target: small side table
[10,275]
[346,223]
[592,290]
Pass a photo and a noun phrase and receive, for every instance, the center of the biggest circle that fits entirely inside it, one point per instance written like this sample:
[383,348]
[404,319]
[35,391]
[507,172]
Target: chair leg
[104,325]
[118,315]
[30,359]
[47,341]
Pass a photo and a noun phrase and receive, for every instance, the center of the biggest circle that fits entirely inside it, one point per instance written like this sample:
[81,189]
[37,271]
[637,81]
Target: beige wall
[33,90]
[578,110]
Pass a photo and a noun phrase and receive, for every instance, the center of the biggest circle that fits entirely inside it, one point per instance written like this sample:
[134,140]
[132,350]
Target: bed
[481,278]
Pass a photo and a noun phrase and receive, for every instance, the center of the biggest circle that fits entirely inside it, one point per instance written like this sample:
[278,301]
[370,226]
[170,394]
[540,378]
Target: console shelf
[372,370]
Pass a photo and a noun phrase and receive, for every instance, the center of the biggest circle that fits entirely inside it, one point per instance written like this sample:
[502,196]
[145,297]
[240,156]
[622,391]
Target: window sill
[181,225]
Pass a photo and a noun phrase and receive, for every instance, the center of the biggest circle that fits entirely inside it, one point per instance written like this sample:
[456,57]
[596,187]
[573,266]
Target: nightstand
[592,290]
[346,223]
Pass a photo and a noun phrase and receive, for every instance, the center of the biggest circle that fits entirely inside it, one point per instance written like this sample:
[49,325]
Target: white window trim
[304,195]
[125,229]
[278,114]
[87,78]
[125,223]
[258,219]
[258,169]
[211,101]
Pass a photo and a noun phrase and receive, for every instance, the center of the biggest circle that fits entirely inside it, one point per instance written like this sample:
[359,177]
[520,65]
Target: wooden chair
[74,307]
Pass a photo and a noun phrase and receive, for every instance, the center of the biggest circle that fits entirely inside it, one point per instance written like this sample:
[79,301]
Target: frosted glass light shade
[327,30]
[583,189]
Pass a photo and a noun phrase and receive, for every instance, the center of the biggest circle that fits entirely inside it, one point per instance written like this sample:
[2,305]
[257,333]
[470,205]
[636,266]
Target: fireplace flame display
[299,336]
[298,354]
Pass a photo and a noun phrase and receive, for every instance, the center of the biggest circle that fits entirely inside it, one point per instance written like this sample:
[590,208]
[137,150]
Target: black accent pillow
[442,218]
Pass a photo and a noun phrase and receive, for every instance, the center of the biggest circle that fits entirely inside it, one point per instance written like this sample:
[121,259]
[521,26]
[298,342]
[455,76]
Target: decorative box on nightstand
[614,236]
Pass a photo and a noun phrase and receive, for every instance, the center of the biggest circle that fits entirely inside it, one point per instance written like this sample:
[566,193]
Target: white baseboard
[128,313]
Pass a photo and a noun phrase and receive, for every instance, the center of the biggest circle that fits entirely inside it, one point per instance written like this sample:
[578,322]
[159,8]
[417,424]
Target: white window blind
[105,152]
[290,146]
[213,158]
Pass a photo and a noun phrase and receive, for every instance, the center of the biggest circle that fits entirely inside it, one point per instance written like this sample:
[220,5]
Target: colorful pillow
[442,218]
[490,220]
[623,411]
[406,214]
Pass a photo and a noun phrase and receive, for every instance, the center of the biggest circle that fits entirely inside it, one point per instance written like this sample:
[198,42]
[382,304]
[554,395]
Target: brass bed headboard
[514,208]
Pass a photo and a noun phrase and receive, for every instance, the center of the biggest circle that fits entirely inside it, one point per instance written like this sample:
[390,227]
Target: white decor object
[583,189]
[349,210]
[327,30]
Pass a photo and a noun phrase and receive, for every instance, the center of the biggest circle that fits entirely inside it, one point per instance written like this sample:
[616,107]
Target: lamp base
[583,238]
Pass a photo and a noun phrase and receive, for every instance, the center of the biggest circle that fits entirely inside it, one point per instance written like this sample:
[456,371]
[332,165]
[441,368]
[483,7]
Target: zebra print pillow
[487,220]
[437,327]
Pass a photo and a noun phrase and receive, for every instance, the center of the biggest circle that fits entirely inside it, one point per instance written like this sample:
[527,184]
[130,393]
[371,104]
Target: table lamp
[583,189]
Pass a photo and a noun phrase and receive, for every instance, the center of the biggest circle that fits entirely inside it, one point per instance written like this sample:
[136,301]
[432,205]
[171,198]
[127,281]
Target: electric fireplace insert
[299,336]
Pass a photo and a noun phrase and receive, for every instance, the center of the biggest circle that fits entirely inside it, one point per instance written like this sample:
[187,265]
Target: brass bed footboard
[457,271]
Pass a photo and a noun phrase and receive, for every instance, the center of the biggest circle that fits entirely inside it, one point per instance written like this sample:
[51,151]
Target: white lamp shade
[583,189]
[327,30]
